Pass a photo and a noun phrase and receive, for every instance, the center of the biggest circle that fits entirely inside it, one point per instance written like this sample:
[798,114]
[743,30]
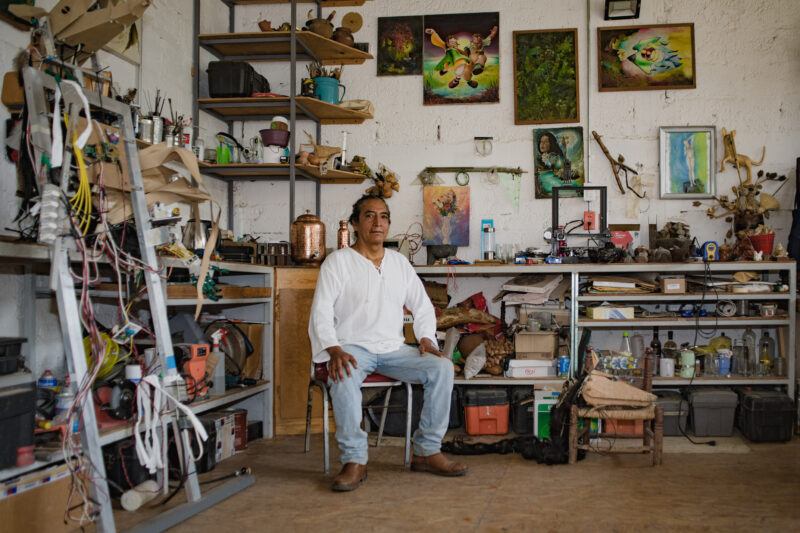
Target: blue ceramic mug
[327,89]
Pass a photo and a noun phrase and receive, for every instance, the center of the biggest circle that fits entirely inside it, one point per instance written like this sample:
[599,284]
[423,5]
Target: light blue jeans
[434,373]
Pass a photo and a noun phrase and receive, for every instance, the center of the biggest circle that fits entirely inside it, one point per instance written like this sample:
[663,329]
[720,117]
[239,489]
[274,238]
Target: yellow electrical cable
[81,202]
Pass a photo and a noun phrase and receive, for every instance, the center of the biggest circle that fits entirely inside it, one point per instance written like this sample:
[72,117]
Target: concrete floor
[757,490]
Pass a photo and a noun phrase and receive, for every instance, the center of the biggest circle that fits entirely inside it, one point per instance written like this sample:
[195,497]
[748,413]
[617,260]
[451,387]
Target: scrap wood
[534,283]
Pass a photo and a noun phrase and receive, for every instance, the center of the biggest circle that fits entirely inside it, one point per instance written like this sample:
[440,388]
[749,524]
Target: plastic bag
[475,362]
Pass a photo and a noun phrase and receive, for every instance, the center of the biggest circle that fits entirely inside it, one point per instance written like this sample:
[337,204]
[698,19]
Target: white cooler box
[530,368]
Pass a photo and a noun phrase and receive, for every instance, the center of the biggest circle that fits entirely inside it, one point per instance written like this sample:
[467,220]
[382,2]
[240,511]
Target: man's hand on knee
[427,346]
[340,363]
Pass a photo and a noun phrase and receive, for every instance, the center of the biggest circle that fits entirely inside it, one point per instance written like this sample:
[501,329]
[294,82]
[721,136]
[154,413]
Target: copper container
[307,235]
[343,235]
[344,36]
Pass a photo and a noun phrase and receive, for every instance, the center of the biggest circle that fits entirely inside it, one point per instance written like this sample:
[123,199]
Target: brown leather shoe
[438,464]
[350,478]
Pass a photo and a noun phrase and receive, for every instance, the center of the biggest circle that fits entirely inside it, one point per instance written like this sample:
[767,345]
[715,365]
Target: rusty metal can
[343,235]
[307,235]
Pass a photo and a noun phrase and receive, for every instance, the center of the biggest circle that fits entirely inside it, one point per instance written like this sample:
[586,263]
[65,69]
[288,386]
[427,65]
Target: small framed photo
[688,161]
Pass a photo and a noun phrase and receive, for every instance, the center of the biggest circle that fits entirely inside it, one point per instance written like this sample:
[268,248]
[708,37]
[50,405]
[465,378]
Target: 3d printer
[557,234]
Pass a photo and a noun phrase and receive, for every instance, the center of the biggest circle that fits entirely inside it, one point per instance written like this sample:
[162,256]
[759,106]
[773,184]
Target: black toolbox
[17,411]
[234,79]
[765,415]
[395,425]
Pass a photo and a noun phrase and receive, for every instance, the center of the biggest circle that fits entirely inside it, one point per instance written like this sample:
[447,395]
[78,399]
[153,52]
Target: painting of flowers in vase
[445,215]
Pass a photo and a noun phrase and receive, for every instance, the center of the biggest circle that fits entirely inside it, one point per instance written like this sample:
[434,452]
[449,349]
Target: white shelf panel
[500,380]
[231,396]
[187,302]
[232,267]
[682,322]
[733,380]
[710,297]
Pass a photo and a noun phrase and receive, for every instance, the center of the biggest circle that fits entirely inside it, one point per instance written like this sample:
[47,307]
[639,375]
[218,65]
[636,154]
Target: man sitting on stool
[357,326]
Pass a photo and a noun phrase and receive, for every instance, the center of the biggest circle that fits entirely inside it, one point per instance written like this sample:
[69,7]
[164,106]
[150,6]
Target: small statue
[780,251]
[736,159]
[641,254]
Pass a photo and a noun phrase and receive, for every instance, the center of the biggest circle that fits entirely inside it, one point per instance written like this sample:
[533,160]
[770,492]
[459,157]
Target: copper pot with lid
[307,235]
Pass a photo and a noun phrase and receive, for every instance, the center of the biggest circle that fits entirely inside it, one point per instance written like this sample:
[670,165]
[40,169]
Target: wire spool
[112,356]
[726,308]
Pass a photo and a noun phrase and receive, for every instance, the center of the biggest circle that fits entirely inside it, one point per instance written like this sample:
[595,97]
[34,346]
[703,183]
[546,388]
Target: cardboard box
[541,345]
[521,368]
[225,444]
[673,284]
[35,502]
[609,312]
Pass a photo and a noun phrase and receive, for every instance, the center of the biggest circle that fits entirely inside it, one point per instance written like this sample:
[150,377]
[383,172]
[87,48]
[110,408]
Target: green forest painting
[546,76]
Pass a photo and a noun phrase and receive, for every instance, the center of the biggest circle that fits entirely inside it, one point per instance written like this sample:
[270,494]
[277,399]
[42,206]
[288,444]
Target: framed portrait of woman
[687,161]
[558,160]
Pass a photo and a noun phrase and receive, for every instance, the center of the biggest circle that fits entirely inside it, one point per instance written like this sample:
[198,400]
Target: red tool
[194,371]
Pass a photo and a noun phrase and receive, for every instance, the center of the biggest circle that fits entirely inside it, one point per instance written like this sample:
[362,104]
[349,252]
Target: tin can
[158,129]
[146,130]
[563,366]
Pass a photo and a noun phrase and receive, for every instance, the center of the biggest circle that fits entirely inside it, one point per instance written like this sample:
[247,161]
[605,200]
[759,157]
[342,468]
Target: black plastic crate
[522,408]
[17,410]
[765,416]
[396,418]
[234,79]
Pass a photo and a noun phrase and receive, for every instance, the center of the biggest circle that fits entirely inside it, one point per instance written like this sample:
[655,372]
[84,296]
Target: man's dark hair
[356,214]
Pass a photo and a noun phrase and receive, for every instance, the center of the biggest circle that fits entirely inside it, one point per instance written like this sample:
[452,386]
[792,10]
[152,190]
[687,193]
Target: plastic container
[234,79]
[272,137]
[10,348]
[544,400]
[486,411]
[763,243]
[522,410]
[713,412]
[765,416]
[676,411]
[17,410]
[627,428]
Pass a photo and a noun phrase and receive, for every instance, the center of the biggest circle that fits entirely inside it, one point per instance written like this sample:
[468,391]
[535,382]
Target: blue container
[327,89]
[563,366]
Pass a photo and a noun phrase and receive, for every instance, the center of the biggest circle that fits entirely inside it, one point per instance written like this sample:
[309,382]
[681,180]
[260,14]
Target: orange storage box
[486,411]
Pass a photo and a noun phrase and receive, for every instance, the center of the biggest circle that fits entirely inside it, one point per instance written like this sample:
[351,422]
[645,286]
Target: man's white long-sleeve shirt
[356,303]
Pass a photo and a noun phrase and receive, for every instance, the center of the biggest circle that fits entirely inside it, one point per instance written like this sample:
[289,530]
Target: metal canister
[146,129]
[158,129]
[343,235]
[563,366]
[307,235]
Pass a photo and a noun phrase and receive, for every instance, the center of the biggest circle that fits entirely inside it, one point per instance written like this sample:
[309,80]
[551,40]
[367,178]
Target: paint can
[158,129]
[146,129]
[666,367]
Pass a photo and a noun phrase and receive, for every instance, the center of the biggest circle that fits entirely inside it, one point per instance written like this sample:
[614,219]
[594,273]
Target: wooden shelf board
[275,45]
[325,3]
[280,170]
[231,109]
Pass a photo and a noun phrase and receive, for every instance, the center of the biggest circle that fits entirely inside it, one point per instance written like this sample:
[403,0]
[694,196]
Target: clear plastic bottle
[637,345]
[625,347]
[750,342]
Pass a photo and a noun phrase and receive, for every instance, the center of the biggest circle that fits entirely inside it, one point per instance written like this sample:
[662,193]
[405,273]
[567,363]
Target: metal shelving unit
[575,271]
[291,46]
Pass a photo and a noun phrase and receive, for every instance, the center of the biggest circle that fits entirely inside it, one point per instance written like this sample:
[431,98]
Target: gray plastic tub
[713,412]
[674,406]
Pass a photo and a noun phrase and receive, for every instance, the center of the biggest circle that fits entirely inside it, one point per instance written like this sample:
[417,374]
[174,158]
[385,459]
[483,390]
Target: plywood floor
[755,490]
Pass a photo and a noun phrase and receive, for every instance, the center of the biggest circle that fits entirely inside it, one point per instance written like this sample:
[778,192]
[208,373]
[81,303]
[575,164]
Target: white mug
[666,367]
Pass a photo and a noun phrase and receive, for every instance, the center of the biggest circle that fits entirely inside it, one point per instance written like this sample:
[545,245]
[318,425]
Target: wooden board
[294,292]
[324,3]
[254,108]
[262,45]
[276,170]
[186,290]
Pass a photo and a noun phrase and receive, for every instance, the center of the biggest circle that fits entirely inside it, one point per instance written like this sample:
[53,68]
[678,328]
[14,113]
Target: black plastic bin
[234,79]
[17,410]
[674,405]
[10,350]
[522,408]
[396,418]
[765,416]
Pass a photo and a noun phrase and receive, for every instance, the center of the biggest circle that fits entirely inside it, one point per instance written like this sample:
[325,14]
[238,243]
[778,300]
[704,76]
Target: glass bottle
[637,345]
[655,345]
[751,347]
[625,347]
[670,347]
[766,354]
[739,359]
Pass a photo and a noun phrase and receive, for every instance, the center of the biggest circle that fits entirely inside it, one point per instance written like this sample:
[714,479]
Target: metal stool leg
[407,458]
[325,436]
[383,415]
[308,417]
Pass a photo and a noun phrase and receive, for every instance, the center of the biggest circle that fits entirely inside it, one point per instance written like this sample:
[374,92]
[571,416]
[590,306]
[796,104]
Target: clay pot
[307,235]
[320,26]
[344,36]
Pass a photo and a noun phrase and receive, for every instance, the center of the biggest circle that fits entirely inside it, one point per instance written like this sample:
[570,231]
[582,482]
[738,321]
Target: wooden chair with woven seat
[652,417]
